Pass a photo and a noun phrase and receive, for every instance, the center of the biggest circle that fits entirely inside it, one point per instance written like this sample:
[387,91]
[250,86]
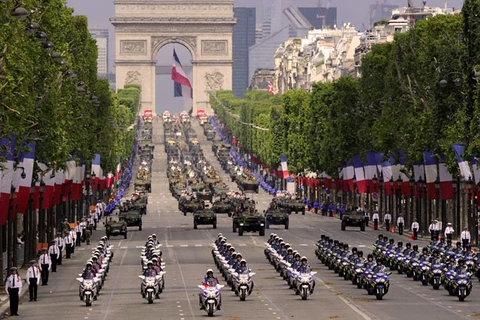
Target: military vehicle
[133,218]
[277,217]
[192,205]
[222,206]
[249,223]
[247,182]
[204,217]
[116,228]
[352,218]
[292,205]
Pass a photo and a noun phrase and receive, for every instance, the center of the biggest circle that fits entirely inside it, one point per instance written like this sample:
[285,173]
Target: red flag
[270,89]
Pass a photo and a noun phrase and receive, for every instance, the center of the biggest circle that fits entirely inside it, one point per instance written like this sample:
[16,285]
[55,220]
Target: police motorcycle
[362,271]
[304,282]
[435,273]
[243,283]
[90,282]
[152,286]
[210,298]
[324,246]
[356,269]
[448,274]
[377,280]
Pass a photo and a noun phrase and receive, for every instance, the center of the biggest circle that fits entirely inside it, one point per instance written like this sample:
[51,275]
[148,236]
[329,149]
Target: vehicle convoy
[291,205]
[133,218]
[246,222]
[353,218]
[276,217]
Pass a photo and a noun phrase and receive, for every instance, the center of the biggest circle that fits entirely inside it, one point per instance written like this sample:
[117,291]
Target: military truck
[116,228]
[247,183]
[277,217]
[353,218]
[222,206]
[292,205]
[133,218]
[249,223]
[192,205]
[204,217]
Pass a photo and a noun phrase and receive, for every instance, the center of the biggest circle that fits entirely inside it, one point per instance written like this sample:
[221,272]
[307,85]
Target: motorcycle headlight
[358,270]
[437,271]
[380,280]
[414,264]
[424,268]
[261,224]
[462,281]
[241,224]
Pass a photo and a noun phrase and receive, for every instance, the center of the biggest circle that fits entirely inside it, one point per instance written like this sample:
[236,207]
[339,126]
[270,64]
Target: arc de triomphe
[143,27]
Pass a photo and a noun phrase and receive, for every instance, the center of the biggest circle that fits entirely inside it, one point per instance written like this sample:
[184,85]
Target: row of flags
[58,184]
[395,176]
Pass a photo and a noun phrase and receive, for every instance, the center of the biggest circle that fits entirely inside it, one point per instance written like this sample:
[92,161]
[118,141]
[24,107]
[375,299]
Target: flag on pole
[284,172]
[6,177]
[59,180]
[25,184]
[69,177]
[371,169]
[462,164]
[95,170]
[430,173]
[119,169]
[77,182]
[387,175]
[109,180]
[406,189]
[270,89]
[349,175]
[446,183]
[48,178]
[180,78]
[360,175]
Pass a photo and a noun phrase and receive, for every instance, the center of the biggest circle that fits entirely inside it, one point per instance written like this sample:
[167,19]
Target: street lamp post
[375,191]
[41,215]
[399,209]
[412,201]
[437,199]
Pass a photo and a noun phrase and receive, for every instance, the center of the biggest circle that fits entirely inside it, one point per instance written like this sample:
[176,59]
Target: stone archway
[204,28]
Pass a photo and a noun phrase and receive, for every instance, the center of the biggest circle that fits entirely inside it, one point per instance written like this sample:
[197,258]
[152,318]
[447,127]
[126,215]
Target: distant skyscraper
[101,36]
[243,39]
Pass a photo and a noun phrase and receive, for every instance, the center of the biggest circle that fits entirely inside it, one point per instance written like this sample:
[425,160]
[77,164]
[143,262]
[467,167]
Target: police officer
[400,224]
[45,265]
[13,287]
[415,228]
[387,219]
[33,279]
[78,234]
[54,252]
[60,242]
[68,244]
[375,219]
[465,236]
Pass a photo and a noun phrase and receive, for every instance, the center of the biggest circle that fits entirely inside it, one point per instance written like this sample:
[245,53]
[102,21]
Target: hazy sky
[354,11]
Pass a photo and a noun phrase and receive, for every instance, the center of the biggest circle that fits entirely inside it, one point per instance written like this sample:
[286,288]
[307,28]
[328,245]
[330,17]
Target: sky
[354,11]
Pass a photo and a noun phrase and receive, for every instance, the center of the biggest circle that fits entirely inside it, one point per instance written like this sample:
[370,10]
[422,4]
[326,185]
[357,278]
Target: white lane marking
[184,245]
[362,246]
[199,245]
[81,249]
[303,245]
[123,247]
[242,245]
[169,246]
[139,247]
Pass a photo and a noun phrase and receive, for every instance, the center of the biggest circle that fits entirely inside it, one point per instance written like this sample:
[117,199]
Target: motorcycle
[462,286]
[150,287]
[304,282]
[243,285]
[87,291]
[358,275]
[424,269]
[378,284]
[435,276]
[210,298]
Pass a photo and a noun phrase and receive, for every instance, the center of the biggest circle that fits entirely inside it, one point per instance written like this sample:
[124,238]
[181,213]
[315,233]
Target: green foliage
[40,102]
[417,93]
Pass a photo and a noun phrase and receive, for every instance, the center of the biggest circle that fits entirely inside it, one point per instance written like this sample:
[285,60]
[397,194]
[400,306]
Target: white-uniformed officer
[13,287]
[33,279]
[60,242]
[45,265]
[54,252]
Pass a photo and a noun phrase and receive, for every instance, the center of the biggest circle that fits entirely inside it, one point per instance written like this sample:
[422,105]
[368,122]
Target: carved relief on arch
[159,42]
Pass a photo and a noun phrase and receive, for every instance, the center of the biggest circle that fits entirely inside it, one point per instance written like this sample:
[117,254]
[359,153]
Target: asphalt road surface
[187,254]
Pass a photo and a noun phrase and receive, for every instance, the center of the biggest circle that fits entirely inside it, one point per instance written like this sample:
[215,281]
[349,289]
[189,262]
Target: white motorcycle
[210,298]
[151,286]
[304,284]
[243,285]
[87,290]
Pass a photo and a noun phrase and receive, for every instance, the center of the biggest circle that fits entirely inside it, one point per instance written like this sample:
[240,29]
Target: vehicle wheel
[215,225]
[140,228]
[184,213]
[234,227]
[240,231]
[125,236]
[262,232]
[303,212]
[343,227]
[286,225]
[229,214]
[362,227]
[267,226]
[195,225]
[108,236]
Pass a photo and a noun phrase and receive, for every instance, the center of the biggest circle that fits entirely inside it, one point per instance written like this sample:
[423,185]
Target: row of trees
[50,91]
[417,93]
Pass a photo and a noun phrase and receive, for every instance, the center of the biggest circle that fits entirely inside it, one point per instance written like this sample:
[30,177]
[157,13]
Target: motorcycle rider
[305,268]
[156,242]
[150,271]
[414,253]
[297,263]
[282,250]
[210,281]
[379,268]
[441,243]
[289,257]
[408,249]
[370,262]
[461,268]
[451,264]
[424,256]
[468,252]
[242,268]
[435,258]
[89,274]
[391,244]
[156,266]
[458,249]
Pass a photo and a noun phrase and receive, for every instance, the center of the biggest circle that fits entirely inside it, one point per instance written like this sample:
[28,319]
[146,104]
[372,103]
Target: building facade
[101,36]
[261,78]
[244,35]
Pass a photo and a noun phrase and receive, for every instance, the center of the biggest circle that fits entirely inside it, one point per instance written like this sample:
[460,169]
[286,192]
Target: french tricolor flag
[446,183]
[109,180]
[349,175]
[430,173]
[59,180]
[78,181]
[101,181]
[360,175]
[69,177]
[119,169]
[476,170]
[6,177]
[387,175]
[406,190]
[48,190]
[25,184]
[371,169]
[96,169]
[462,164]
[180,78]
[283,163]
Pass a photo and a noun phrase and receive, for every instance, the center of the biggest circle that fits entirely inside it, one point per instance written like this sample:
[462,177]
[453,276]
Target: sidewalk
[5,301]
